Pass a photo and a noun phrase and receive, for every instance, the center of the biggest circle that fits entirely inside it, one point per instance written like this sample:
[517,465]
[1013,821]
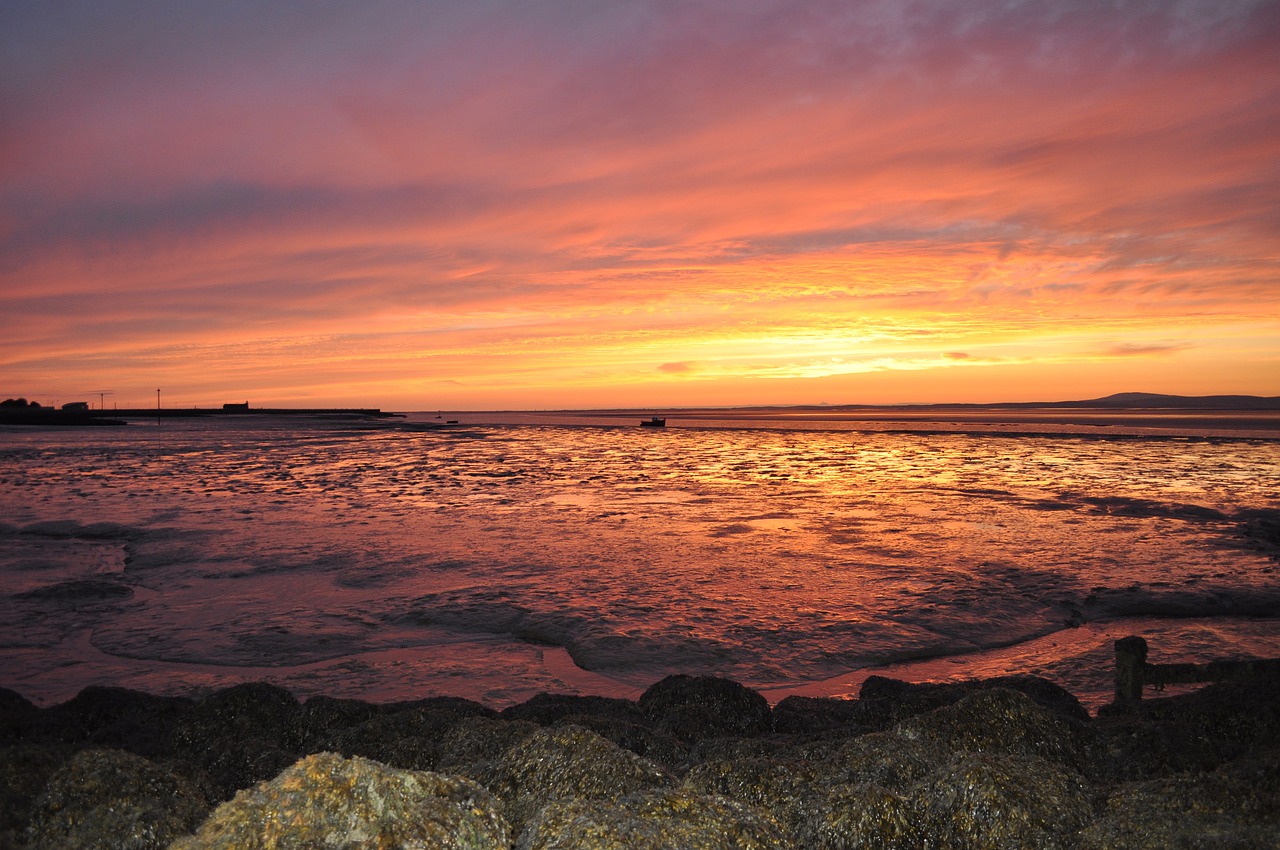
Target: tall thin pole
[157,407]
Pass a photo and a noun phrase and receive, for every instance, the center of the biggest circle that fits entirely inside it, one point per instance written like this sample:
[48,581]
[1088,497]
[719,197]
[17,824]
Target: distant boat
[654,422]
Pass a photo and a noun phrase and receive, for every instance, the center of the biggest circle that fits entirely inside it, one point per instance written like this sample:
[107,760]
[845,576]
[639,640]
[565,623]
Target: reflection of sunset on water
[551,555]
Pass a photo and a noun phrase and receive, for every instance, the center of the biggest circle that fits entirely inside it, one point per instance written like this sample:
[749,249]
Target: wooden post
[1131,658]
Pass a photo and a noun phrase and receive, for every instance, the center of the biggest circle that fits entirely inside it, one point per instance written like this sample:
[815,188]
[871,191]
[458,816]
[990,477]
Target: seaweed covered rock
[326,800]
[457,706]
[111,798]
[1044,692]
[409,735]
[652,820]
[1236,806]
[729,748]
[884,759]
[790,790]
[323,718]
[257,708]
[867,817]
[117,718]
[472,745]
[24,770]
[411,739]
[693,707]
[884,702]
[984,801]
[807,715]
[18,715]
[619,720]
[997,720]
[567,763]
[549,709]
[241,735]
[1197,731]
[640,738]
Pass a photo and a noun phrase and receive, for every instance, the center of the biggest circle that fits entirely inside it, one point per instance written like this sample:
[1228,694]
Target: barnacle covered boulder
[111,798]
[566,763]
[659,819]
[867,817]
[329,801]
[987,801]
[694,707]
[999,720]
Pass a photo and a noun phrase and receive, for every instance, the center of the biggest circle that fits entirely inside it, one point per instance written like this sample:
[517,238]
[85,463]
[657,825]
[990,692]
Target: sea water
[512,554]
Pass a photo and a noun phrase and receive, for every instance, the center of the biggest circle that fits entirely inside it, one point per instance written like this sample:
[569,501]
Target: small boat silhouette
[654,422]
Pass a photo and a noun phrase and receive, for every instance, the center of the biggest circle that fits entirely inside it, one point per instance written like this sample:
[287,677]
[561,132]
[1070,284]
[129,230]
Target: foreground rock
[241,735]
[1193,733]
[568,763]
[992,802]
[110,798]
[24,771]
[883,759]
[690,708]
[1236,806]
[867,817]
[790,790]
[994,769]
[1001,721]
[652,820]
[326,800]
[697,762]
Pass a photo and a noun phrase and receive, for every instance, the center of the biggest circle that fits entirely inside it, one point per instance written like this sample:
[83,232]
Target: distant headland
[1121,401]
[22,412]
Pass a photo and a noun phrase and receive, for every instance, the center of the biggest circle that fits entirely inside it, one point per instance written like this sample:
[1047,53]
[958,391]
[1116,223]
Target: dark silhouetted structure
[1133,671]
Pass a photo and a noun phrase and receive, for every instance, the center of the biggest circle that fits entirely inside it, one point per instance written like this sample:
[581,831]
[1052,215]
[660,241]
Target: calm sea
[511,554]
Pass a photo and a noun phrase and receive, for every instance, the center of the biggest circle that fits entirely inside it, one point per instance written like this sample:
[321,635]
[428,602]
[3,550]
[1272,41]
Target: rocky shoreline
[1013,762]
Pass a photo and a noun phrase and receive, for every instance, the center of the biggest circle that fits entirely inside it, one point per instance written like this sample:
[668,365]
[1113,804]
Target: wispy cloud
[1129,349]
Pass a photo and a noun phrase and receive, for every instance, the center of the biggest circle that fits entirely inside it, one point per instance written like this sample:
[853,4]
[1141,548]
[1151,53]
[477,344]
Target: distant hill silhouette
[1117,401]
[1199,402]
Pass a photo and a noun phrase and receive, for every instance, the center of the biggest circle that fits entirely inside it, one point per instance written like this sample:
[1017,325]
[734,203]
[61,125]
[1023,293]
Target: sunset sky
[597,203]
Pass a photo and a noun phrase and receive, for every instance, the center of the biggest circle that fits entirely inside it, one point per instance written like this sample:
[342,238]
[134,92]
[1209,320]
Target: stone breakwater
[694,763]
